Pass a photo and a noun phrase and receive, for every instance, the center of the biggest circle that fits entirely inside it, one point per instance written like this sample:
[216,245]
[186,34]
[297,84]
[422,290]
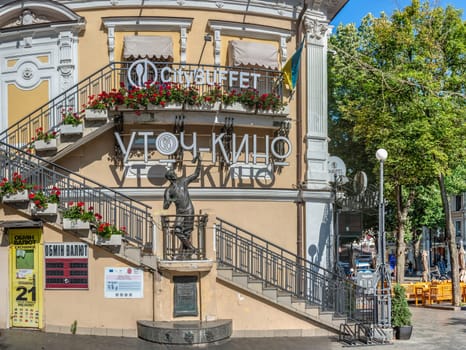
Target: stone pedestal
[185,332]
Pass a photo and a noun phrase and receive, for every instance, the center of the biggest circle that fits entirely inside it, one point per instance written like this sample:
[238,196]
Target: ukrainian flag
[291,68]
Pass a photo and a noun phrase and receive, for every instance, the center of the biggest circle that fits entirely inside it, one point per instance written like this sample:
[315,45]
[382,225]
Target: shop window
[458,228]
[458,200]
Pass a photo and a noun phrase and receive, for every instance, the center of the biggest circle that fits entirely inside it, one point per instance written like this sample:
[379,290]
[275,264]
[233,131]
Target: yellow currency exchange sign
[26,277]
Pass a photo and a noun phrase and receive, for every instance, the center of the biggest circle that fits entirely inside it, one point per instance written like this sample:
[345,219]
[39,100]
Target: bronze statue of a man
[178,193]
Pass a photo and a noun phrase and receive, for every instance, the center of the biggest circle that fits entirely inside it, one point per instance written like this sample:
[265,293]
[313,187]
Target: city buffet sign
[140,71]
[244,149]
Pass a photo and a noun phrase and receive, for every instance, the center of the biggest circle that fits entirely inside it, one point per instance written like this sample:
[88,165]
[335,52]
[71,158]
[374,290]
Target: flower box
[171,106]
[113,240]
[75,224]
[237,107]
[71,129]
[204,107]
[52,209]
[282,112]
[50,145]
[17,197]
[96,114]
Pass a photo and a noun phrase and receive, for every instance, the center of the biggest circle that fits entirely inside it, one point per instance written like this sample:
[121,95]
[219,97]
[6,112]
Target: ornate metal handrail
[49,115]
[286,271]
[173,247]
[114,207]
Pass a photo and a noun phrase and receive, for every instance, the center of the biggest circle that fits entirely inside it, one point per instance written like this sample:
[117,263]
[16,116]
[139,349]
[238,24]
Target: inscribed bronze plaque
[185,296]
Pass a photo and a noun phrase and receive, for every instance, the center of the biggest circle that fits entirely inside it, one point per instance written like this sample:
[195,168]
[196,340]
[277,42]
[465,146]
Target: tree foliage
[399,83]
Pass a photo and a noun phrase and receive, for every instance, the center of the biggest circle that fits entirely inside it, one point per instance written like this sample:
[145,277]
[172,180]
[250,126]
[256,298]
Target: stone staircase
[127,251]
[68,144]
[281,299]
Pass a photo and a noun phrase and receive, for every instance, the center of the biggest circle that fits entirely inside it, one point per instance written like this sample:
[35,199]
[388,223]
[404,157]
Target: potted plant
[15,190]
[401,315]
[71,123]
[108,234]
[76,217]
[97,106]
[210,100]
[167,96]
[44,140]
[240,101]
[270,104]
[43,204]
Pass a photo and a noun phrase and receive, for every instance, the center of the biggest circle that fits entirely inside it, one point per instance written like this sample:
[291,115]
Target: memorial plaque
[185,296]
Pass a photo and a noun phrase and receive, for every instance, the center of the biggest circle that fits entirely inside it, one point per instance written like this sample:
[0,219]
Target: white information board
[124,282]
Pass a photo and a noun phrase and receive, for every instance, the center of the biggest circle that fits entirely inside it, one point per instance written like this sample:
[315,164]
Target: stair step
[225,272]
[255,285]
[270,292]
[284,298]
[149,260]
[133,253]
[240,278]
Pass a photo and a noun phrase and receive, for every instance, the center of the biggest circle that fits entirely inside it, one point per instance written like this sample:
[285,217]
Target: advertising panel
[66,265]
[123,282]
[25,277]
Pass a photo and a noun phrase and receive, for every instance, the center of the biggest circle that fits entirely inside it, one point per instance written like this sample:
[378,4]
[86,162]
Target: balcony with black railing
[138,86]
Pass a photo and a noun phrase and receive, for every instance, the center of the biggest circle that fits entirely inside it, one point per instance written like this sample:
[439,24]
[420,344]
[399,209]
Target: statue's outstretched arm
[197,172]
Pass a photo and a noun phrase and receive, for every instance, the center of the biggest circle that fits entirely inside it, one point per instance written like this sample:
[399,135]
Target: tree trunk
[402,218]
[450,240]
[417,235]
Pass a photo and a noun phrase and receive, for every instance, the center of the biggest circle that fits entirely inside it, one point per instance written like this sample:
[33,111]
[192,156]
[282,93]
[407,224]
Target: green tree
[398,82]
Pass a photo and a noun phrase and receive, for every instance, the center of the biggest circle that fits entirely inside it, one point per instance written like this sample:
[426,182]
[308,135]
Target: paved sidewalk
[433,330]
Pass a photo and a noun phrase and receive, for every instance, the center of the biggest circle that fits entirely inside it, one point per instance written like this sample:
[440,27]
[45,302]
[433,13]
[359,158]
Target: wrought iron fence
[49,115]
[114,207]
[173,247]
[284,270]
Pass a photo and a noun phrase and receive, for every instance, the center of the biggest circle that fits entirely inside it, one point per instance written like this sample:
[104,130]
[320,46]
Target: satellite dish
[360,182]
[336,166]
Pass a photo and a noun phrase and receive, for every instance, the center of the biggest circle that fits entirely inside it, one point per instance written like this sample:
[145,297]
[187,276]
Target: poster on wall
[123,282]
[66,265]
[25,277]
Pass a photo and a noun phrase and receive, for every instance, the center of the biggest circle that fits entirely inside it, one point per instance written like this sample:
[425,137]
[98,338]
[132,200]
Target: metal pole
[384,294]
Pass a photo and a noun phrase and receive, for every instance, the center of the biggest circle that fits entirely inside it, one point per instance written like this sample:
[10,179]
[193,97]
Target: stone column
[318,215]
[316,110]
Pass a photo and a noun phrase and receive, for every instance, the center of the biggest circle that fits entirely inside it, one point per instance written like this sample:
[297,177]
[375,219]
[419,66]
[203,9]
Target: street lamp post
[384,288]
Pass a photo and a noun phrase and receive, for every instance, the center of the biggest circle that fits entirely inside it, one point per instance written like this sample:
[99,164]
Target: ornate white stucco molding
[219,28]
[148,24]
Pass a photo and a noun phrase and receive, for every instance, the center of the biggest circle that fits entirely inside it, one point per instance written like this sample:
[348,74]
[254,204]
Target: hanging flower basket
[41,146]
[96,114]
[237,107]
[71,129]
[22,196]
[50,210]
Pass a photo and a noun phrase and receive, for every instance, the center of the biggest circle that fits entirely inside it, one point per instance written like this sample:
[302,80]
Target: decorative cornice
[233,194]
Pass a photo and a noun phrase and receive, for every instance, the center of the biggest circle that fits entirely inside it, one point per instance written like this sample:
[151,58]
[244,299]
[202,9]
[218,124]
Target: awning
[246,53]
[160,47]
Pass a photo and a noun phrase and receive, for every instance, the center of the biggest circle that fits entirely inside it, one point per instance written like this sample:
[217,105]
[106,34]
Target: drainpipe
[299,143]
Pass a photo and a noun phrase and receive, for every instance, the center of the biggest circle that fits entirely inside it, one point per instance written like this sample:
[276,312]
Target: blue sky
[355,10]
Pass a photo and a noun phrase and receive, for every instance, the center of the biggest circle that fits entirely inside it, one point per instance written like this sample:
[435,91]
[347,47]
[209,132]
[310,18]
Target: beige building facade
[262,200]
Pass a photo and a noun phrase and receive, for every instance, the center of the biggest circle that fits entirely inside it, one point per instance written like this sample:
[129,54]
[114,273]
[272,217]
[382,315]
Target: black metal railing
[284,270]
[173,248]
[114,207]
[49,115]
